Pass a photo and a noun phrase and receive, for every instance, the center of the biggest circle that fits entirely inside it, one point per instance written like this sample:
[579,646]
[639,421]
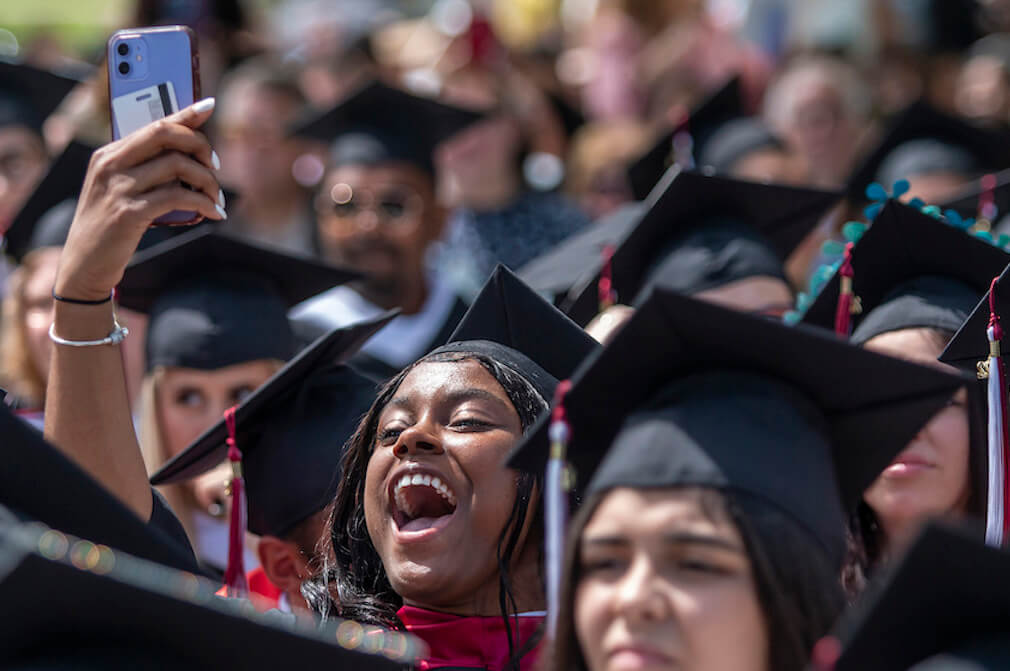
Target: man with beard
[378,212]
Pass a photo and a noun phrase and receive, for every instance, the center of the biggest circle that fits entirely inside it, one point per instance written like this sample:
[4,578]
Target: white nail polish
[215,160]
[204,105]
[220,198]
[220,210]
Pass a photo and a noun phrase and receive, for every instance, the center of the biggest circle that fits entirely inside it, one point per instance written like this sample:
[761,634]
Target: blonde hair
[18,373]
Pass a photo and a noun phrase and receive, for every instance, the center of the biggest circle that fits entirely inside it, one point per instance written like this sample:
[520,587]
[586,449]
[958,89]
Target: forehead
[652,512]
[239,373]
[379,175]
[431,380]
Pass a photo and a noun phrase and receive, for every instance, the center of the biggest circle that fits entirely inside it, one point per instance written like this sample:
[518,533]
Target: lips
[421,502]
[635,656]
[908,464]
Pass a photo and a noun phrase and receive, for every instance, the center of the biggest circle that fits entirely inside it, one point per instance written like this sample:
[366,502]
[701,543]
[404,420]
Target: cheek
[725,611]
[375,508]
[591,616]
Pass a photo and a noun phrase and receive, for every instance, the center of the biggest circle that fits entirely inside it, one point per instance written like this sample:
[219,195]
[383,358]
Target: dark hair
[866,541]
[353,582]
[797,587]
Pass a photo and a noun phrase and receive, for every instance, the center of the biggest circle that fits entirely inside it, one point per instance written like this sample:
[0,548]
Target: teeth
[436,483]
[419,479]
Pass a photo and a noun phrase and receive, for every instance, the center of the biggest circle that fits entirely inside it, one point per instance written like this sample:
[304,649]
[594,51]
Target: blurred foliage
[80,27]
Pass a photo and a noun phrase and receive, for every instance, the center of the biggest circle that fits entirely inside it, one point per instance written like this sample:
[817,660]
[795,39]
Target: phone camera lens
[123,48]
[124,68]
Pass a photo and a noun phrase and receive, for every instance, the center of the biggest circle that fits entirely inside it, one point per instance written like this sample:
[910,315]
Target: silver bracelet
[117,336]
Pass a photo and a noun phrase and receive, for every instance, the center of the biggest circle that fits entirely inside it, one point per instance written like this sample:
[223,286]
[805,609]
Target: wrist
[83,322]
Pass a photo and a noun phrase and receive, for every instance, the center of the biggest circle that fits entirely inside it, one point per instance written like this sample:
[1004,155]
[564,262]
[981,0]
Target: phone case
[153,72]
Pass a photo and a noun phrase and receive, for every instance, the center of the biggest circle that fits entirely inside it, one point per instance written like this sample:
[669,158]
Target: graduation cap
[69,603]
[28,95]
[690,393]
[575,260]
[944,605]
[922,140]
[379,124]
[291,431]
[215,300]
[73,501]
[735,140]
[701,232]
[722,106]
[513,325]
[911,270]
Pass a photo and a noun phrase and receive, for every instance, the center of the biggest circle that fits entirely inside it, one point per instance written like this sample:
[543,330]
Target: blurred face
[380,220]
[38,302]
[766,165]
[23,161]
[256,155]
[485,151]
[983,91]
[935,187]
[190,401]
[759,295]
[435,485]
[665,586]
[931,476]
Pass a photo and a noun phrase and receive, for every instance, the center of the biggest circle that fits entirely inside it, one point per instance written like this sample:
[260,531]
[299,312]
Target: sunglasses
[394,204]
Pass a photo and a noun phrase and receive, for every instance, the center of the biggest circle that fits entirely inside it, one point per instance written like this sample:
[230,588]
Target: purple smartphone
[153,72]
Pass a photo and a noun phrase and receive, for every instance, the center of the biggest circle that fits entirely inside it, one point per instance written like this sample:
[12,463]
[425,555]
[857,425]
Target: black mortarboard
[28,94]
[576,259]
[944,605]
[73,501]
[513,325]
[291,431]
[911,270]
[215,300]
[971,344]
[705,231]
[735,140]
[922,140]
[67,603]
[379,124]
[690,393]
[722,106]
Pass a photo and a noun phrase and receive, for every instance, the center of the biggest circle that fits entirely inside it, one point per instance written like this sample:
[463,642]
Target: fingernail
[205,105]
[220,198]
[215,160]
[220,210]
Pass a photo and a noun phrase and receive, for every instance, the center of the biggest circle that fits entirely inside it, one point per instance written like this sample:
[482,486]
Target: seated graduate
[916,279]
[942,608]
[378,212]
[286,440]
[217,330]
[429,530]
[721,451]
[145,616]
[716,238]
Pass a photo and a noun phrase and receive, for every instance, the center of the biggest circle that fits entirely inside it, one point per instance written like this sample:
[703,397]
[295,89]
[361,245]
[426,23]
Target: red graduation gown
[457,642]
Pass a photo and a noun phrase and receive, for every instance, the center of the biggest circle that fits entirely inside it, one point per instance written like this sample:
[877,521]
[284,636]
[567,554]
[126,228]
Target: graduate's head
[376,205]
[424,474]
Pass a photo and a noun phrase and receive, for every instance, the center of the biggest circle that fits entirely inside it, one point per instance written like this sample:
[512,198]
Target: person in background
[821,107]
[595,177]
[378,213]
[259,101]
[983,84]
[745,149]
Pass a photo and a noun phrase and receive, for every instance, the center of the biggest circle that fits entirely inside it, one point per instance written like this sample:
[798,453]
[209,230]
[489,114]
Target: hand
[129,184]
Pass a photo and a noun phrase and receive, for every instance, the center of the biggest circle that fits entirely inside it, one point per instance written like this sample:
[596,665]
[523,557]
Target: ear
[283,564]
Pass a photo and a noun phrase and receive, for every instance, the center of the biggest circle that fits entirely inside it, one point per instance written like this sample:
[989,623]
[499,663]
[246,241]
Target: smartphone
[153,73]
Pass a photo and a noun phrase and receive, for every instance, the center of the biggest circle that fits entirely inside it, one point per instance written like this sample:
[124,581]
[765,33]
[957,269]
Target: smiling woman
[429,531]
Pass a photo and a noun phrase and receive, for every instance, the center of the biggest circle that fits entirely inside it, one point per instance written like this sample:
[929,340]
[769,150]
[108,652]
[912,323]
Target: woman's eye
[390,434]
[190,398]
[700,566]
[601,565]
[469,423]
[241,393]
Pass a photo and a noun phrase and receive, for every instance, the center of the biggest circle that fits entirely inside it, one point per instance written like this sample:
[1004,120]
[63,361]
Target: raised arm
[129,184]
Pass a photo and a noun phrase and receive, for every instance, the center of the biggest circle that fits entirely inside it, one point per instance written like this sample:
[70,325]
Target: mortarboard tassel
[847,304]
[996,505]
[556,487]
[234,576]
[605,287]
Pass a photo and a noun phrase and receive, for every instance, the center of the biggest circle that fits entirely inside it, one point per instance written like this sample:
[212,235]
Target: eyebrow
[455,398]
[677,538]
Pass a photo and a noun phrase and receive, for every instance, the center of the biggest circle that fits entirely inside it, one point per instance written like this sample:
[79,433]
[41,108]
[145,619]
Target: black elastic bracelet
[79,301]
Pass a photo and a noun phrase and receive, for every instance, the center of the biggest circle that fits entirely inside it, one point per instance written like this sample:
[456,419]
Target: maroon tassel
[846,299]
[605,287]
[234,576]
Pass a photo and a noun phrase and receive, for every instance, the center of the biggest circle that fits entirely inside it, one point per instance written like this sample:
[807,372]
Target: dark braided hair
[352,582]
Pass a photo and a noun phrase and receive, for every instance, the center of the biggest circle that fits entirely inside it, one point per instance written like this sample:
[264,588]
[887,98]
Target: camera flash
[139,58]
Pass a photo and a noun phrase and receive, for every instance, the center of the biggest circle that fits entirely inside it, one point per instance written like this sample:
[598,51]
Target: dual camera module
[123,49]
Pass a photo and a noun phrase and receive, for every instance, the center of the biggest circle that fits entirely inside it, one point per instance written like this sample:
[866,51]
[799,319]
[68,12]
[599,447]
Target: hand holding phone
[153,73]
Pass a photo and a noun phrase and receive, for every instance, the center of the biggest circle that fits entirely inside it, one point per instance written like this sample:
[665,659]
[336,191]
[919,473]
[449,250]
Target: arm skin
[129,184]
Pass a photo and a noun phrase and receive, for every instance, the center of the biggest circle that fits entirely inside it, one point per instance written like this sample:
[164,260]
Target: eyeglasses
[395,205]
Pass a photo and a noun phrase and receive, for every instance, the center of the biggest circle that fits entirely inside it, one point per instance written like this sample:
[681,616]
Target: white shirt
[403,340]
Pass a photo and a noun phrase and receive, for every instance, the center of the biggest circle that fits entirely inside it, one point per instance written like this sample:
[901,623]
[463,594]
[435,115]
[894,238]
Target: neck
[408,296]
[272,214]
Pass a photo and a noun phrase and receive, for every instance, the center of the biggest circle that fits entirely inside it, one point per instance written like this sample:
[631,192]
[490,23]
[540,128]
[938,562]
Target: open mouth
[421,501]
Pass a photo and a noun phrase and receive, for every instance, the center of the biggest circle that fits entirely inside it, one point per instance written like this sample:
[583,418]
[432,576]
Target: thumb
[196,114]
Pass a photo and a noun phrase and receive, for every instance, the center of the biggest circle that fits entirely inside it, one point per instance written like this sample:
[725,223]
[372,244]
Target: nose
[639,597]
[367,219]
[417,439]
